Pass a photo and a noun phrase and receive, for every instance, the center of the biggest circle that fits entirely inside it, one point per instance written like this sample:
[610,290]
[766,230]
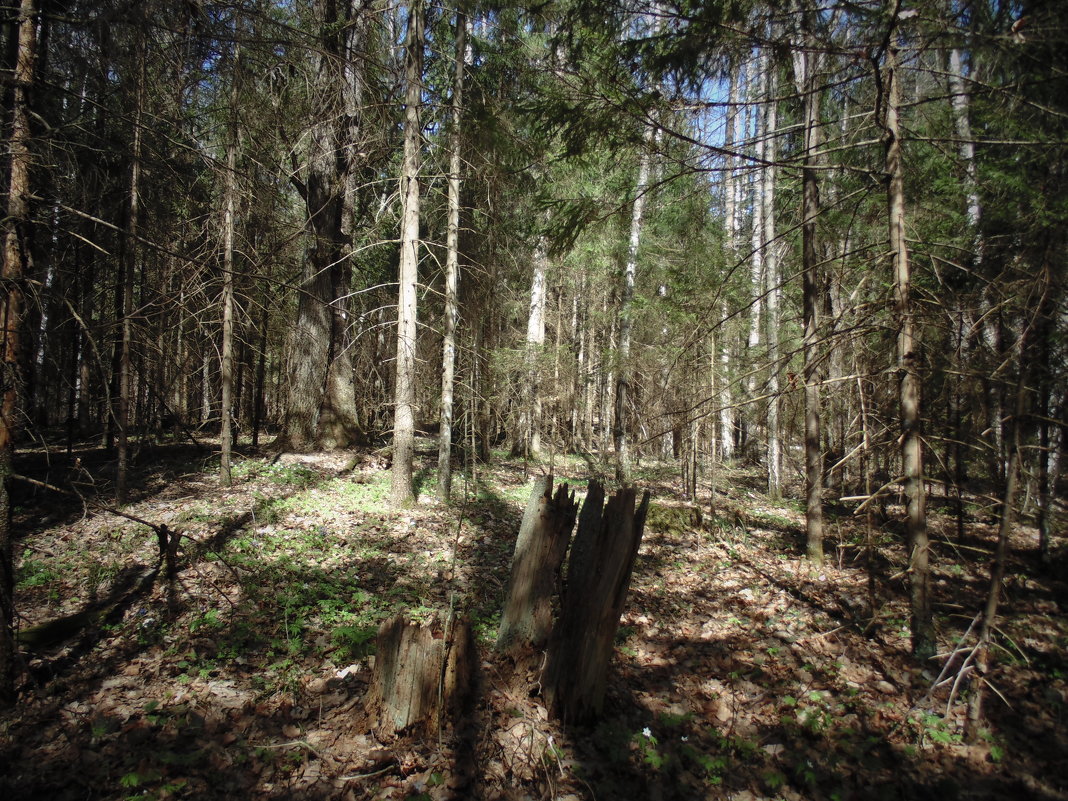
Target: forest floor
[739,672]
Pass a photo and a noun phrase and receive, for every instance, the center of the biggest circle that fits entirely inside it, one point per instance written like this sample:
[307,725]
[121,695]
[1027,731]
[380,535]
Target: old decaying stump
[598,577]
[540,548]
[424,673]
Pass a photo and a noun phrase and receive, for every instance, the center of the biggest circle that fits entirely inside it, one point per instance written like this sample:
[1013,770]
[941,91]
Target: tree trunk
[908,360]
[258,399]
[16,264]
[756,93]
[726,413]
[124,290]
[452,270]
[805,75]
[598,578]
[320,402]
[771,270]
[1001,551]
[1045,500]
[960,103]
[606,379]
[623,461]
[401,490]
[423,675]
[226,368]
[730,213]
[539,552]
[528,436]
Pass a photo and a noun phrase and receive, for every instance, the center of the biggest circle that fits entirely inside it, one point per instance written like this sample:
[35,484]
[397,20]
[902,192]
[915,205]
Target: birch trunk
[528,439]
[630,269]
[730,213]
[756,94]
[771,270]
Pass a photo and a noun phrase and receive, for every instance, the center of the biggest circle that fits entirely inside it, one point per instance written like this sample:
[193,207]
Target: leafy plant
[775,780]
[647,749]
[34,572]
[355,640]
[934,728]
[291,475]
[208,620]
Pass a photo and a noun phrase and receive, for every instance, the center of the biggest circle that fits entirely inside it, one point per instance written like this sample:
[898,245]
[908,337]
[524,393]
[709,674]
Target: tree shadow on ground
[486,555]
[238,711]
[656,743]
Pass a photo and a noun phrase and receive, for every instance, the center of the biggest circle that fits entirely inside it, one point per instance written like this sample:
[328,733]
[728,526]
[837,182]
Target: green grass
[339,496]
[35,572]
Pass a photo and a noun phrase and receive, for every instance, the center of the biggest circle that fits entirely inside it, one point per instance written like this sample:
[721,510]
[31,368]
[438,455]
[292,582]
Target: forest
[326,323]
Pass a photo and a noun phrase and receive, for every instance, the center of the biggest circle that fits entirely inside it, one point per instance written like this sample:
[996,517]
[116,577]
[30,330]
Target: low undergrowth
[741,671]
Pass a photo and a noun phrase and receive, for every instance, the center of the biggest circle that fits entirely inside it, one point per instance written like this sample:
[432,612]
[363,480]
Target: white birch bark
[630,271]
[771,270]
[730,213]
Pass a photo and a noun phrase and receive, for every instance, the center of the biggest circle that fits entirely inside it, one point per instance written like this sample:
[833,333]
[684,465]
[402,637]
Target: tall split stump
[540,548]
[598,578]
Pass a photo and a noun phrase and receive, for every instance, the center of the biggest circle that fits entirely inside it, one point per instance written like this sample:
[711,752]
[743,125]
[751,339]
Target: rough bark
[226,356]
[598,578]
[424,674]
[908,364]
[124,289]
[320,401]
[16,263]
[981,656]
[539,553]
[401,490]
[805,70]
[452,269]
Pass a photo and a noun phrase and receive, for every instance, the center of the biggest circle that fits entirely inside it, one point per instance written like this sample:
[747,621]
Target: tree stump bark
[598,577]
[423,675]
[540,548]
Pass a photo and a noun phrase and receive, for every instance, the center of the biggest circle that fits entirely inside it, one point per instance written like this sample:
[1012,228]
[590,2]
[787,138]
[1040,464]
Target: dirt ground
[740,672]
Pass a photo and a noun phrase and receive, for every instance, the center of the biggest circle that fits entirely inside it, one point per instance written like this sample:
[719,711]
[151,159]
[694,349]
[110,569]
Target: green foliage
[354,641]
[648,751]
[292,475]
[34,572]
[671,521]
[208,620]
[934,728]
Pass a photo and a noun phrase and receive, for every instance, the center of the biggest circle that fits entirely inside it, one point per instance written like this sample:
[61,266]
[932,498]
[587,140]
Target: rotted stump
[598,577]
[424,673]
[544,535]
